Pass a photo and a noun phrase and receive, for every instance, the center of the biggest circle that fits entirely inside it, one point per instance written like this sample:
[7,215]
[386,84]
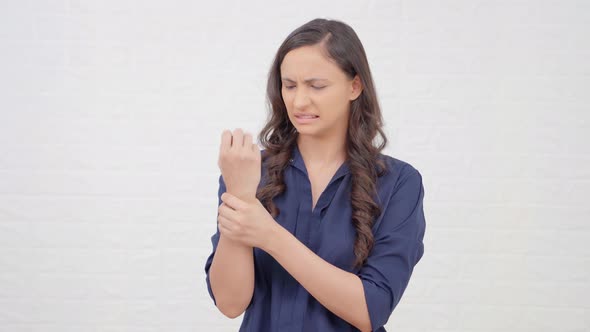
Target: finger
[247,140]
[255,148]
[238,139]
[227,212]
[226,138]
[232,201]
[224,224]
[225,232]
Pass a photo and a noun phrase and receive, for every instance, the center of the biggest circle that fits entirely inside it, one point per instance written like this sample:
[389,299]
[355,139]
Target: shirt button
[290,160]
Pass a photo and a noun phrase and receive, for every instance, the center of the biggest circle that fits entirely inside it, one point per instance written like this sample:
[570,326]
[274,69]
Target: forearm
[232,277]
[339,291]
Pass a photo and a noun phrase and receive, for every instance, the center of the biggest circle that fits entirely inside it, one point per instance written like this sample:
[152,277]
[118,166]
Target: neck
[320,152]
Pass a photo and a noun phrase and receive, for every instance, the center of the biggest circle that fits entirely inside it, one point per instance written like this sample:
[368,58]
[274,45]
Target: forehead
[309,61]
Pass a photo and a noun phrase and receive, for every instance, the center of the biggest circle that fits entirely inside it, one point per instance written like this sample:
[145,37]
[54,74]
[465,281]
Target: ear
[356,87]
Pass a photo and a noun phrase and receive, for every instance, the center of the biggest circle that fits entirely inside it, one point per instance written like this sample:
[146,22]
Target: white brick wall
[110,119]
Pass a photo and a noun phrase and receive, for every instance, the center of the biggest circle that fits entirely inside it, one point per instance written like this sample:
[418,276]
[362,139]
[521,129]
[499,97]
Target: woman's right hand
[239,162]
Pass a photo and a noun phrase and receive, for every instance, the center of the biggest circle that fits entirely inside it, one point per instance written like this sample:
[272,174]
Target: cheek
[286,98]
[336,101]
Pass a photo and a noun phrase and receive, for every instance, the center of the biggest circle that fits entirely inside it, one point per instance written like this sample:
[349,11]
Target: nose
[301,98]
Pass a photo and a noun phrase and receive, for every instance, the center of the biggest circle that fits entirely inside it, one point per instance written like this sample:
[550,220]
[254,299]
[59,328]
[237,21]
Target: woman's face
[317,93]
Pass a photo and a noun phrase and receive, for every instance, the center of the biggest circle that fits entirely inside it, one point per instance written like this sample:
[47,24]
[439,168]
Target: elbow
[232,305]
[364,326]
[231,311]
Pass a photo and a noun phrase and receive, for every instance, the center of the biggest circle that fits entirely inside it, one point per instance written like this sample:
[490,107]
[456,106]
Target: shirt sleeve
[214,240]
[398,246]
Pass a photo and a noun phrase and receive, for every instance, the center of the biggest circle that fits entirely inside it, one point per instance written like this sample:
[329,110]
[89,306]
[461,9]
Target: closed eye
[314,87]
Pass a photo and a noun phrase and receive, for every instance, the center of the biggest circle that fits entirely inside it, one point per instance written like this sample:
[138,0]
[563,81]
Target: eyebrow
[309,80]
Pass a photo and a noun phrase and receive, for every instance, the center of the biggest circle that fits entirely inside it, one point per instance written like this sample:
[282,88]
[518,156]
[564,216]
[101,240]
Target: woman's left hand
[247,222]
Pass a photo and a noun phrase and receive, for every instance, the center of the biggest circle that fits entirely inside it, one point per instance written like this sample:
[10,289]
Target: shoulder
[398,173]
[401,193]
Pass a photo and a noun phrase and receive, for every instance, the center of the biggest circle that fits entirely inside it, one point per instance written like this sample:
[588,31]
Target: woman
[328,239]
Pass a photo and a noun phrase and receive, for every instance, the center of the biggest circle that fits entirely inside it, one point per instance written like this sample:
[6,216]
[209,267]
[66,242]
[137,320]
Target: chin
[306,131]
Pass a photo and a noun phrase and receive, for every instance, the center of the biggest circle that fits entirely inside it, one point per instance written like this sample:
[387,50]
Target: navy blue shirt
[280,303]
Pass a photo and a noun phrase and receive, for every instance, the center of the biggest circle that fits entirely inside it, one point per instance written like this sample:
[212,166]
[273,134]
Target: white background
[111,113]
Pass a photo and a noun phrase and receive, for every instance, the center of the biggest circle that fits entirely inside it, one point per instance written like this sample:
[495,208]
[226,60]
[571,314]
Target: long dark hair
[279,136]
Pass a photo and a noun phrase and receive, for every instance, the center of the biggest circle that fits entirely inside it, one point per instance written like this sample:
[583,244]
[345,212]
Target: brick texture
[111,115]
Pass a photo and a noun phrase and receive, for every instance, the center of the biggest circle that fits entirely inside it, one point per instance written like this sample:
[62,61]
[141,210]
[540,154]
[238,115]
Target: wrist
[233,243]
[249,198]
[275,238]
[246,196]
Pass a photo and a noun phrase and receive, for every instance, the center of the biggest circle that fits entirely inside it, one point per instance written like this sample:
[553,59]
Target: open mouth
[305,119]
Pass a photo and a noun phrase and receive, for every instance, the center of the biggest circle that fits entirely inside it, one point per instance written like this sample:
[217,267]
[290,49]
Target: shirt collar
[297,161]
